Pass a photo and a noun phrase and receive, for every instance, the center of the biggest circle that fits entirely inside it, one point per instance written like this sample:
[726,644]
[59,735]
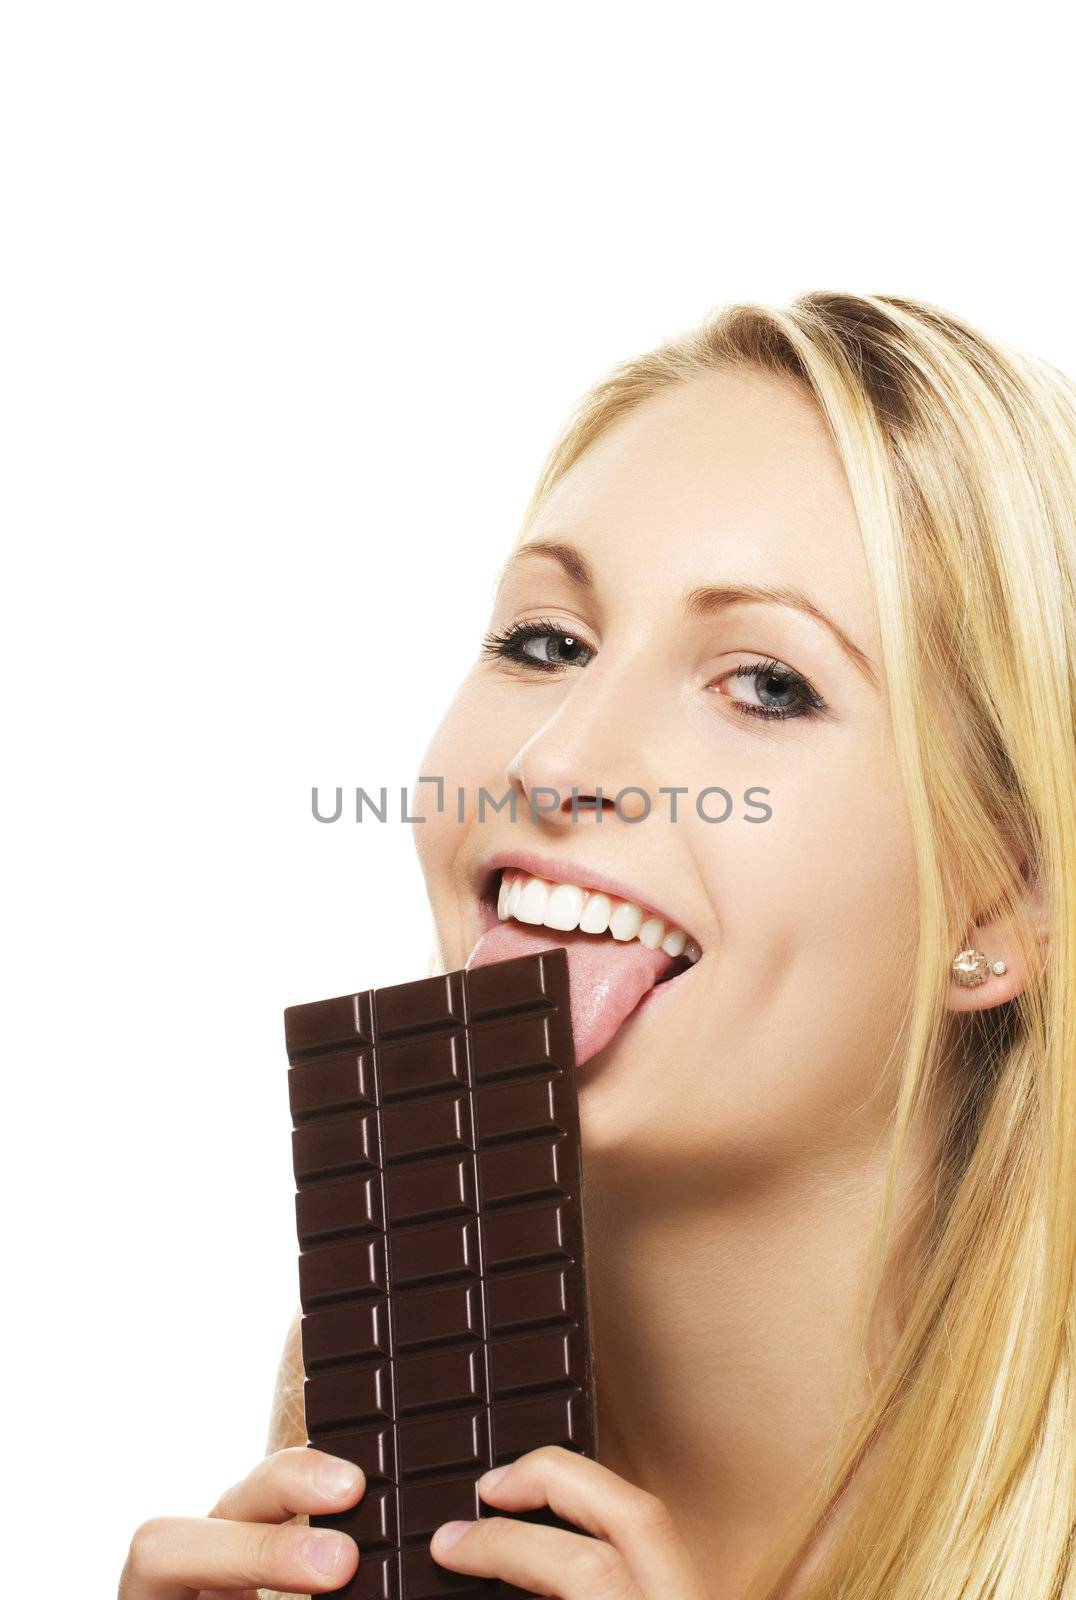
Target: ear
[997,938]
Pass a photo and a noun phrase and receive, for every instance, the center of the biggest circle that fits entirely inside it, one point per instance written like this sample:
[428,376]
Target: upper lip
[561,870]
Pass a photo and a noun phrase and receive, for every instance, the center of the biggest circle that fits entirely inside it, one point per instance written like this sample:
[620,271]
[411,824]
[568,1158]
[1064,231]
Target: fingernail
[322,1554]
[337,1477]
[488,1479]
[450,1533]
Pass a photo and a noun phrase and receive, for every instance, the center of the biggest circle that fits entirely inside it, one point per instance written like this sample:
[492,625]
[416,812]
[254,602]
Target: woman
[822,559]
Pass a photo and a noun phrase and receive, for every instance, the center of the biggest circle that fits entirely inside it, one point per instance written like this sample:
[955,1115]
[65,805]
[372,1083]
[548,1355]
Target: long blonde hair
[959,452]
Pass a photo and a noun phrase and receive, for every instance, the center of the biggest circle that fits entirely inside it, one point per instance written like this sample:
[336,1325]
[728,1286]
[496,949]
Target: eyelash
[508,645]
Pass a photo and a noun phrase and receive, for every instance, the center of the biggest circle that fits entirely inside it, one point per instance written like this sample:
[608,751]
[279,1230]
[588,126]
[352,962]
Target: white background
[295,297]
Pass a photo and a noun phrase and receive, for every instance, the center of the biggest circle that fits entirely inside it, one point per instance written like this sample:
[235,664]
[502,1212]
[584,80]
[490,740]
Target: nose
[587,763]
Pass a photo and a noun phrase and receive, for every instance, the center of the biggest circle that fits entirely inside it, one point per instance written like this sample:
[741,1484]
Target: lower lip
[660,988]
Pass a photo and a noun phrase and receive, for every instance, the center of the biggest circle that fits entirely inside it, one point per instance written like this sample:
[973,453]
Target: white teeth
[565,906]
[625,921]
[533,900]
[595,917]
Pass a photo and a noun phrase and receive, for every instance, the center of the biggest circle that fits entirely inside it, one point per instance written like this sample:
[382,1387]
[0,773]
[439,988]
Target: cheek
[825,887]
[460,754]
[822,972]
[437,839]
[780,1053]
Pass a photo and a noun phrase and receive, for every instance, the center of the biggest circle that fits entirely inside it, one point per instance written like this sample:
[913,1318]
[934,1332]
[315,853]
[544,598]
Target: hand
[240,1546]
[636,1553]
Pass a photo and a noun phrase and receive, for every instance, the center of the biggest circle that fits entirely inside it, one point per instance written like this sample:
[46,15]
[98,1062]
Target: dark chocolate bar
[441,1270]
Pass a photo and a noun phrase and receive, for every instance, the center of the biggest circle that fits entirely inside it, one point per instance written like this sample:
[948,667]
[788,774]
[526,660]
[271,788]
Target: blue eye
[774,682]
[555,648]
[543,645]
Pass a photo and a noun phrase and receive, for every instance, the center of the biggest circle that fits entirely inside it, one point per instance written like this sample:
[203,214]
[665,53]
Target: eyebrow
[709,599]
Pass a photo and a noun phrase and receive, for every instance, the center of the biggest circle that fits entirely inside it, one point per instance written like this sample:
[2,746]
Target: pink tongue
[607,977]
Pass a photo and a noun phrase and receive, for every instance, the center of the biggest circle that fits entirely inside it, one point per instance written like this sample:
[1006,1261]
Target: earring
[970,967]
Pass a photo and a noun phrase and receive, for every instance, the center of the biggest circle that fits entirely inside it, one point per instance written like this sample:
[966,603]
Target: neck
[724,1332]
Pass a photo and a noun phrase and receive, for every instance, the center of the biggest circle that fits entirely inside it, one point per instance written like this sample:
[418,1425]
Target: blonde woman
[822,559]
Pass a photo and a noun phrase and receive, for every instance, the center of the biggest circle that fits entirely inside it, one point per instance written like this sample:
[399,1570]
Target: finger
[290,1483]
[547,1561]
[176,1558]
[583,1492]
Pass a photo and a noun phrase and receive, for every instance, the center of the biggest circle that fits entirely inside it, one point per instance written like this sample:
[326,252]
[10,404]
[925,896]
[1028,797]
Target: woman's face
[767,1053]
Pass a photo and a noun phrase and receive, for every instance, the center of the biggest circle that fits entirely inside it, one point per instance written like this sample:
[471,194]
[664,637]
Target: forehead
[732,476]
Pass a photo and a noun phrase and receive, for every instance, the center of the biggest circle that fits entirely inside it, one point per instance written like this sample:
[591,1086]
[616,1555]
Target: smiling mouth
[621,955]
[580,914]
